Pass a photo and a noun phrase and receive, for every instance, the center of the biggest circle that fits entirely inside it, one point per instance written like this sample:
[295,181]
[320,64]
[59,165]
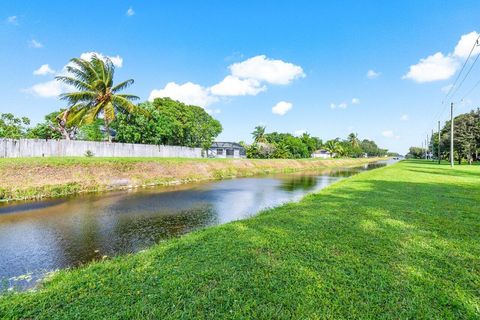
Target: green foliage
[13,127]
[169,122]
[259,134]
[285,145]
[92,131]
[416,153]
[89,154]
[371,149]
[466,138]
[48,129]
[97,94]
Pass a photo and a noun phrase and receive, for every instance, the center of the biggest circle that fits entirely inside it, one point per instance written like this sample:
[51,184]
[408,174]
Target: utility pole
[426,148]
[451,135]
[431,146]
[438,142]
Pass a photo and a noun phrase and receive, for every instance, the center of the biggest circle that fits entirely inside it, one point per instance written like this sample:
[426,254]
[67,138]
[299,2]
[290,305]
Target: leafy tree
[259,134]
[13,127]
[371,149]
[353,139]
[168,122]
[97,95]
[466,138]
[49,129]
[333,146]
[416,153]
[92,131]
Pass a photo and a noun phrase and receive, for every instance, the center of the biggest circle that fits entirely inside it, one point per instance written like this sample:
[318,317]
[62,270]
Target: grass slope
[399,242]
[34,178]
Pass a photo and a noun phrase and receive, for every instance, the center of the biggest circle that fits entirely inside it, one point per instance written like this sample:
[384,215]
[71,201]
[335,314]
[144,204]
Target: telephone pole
[431,147]
[438,142]
[426,148]
[451,135]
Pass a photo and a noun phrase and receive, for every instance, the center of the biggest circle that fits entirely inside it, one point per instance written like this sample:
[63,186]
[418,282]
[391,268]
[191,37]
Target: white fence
[15,148]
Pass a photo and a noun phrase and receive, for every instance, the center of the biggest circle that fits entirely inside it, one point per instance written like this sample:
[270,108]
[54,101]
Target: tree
[97,95]
[13,127]
[259,134]
[168,122]
[49,129]
[353,139]
[333,146]
[416,153]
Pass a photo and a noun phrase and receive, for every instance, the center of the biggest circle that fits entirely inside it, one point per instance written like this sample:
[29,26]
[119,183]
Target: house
[226,150]
[323,154]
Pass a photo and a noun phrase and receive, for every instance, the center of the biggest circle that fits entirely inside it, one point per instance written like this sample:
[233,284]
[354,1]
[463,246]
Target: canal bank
[395,242]
[36,178]
[37,237]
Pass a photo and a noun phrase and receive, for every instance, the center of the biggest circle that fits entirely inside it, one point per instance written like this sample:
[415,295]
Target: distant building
[323,154]
[226,150]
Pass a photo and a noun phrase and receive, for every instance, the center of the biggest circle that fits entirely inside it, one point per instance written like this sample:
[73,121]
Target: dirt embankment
[33,178]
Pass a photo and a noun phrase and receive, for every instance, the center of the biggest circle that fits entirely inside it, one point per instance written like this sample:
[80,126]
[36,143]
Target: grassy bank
[399,242]
[33,178]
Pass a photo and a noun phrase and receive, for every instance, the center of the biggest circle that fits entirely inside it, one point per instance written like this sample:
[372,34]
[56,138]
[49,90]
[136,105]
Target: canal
[39,237]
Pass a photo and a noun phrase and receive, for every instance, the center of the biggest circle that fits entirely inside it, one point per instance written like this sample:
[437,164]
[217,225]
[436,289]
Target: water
[38,237]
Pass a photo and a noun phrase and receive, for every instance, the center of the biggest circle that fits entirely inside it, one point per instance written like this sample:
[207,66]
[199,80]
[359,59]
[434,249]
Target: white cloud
[355,101]
[35,44]
[13,20]
[440,66]
[281,108]
[372,74]
[43,70]
[233,86]
[388,134]
[264,69]
[433,68]
[116,60]
[404,117]
[188,93]
[49,89]
[130,12]
[333,106]
[343,105]
[465,44]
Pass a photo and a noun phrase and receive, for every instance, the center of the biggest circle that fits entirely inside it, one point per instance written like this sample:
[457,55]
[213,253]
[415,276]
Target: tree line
[466,140]
[285,145]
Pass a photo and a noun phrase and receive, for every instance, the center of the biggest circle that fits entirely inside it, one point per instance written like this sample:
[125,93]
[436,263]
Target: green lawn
[401,242]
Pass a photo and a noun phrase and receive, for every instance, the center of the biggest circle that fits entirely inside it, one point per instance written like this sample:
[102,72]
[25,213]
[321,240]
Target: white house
[226,150]
[323,154]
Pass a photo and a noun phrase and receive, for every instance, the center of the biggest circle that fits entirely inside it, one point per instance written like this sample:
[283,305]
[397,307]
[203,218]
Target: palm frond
[79,84]
[122,85]
[128,96]
[81,96]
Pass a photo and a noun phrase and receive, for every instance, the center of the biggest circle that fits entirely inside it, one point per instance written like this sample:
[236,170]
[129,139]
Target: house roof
[234,145]
[321,151]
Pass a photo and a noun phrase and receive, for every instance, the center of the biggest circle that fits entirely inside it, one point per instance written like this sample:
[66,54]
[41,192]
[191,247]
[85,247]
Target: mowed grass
[401,242]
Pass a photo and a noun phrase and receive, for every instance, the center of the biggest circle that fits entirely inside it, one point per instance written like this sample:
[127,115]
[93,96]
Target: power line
[463,67]
[466,75]
[471,90]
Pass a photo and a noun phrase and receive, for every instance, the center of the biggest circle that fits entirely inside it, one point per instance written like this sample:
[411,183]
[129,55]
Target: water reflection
[36,237]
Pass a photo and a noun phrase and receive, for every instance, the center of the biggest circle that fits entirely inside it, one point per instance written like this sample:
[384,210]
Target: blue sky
[240,59]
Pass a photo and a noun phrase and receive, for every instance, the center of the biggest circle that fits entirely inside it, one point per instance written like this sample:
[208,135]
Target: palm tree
[353,139]
[259,134]
[97,95]
[334,147]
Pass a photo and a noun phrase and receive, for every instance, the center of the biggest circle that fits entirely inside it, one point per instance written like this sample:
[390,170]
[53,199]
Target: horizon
[379,70]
